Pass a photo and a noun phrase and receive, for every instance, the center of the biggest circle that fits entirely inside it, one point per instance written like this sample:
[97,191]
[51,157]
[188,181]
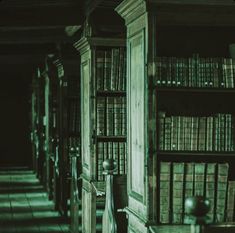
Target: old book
[99,70]
[178,193]
[210,188]
[194,133]
[189,179]
[187,133]
[230,211]
[118,116]
[199,179]
[228,132]
[222,179]
[116,156]
[161,130]
[122,157]
[216,133]
[107,70]
[109,116]
[114,65]
[209,133]
[180,132]
[167,135]
[174,128]
[121,71]
[222,131]
[165,192]
[100,116]
[202,134]
[100,159]
[123,113]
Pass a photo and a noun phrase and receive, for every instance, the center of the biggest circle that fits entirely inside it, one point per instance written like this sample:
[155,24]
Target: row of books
[108,150]
[193,133]
[111,116]
[111,69]
[73,116]
[195,71]
[181,180]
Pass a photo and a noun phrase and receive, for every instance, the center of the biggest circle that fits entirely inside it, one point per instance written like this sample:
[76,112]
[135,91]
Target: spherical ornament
[197,206]
[109,165]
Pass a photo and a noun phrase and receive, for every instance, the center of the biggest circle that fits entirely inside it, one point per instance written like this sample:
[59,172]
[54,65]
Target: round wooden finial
[197,206]
[109,165]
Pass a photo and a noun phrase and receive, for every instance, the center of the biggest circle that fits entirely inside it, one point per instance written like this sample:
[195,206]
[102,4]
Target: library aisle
[24,206]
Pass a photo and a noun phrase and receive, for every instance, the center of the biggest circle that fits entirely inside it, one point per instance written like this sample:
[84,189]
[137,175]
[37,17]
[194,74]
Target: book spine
[122,158]
[189,179]
[178,187]
[100,159]
[107,70]
[100,70]
[110,116]
[230,202]
[100,116]
[202,134]
[187,135]
[174,133]
[210,188]
[118,116]
[165,192]
[222,179]
[194,133]
[161,130]
[199,179]
[116,156]
[167,138]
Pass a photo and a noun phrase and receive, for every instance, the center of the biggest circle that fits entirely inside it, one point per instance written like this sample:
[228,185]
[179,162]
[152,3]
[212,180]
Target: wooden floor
[24,206]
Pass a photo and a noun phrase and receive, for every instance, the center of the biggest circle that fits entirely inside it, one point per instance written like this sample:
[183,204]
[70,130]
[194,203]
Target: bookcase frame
[142,17]
[87,47]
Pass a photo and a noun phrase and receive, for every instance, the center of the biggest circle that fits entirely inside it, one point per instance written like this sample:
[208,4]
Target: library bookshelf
[103,119]
[179,72]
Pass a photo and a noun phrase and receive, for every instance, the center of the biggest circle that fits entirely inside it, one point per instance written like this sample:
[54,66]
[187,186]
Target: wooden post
[74,205]
[109,224]
[197,208]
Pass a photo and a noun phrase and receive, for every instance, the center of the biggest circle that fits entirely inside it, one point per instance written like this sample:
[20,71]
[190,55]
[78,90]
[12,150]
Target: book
[109,116]
[210,187]
[165,192]
[178,192]
[189,181]
[100,116]
[230,211]
[99,70]
[222,179]
[199,179]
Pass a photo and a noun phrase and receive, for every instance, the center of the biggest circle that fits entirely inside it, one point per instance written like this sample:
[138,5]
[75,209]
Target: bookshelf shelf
[111,138]
[110,93]
[196,90]
[175,154]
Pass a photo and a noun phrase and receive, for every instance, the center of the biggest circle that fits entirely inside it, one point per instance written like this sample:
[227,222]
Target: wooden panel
[88,212]
[85,117]
[136,88]
[136,226]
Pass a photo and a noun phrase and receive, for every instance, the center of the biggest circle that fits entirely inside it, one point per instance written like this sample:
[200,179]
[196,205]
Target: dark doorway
[15,149]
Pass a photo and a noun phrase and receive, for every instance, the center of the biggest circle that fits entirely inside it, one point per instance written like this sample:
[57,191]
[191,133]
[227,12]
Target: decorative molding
[131,9]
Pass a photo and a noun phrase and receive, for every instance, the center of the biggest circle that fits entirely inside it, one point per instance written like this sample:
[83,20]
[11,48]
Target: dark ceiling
[29,29]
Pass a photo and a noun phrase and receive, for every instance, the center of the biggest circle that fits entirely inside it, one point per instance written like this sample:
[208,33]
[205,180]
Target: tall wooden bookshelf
[179,72]
[103,119]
